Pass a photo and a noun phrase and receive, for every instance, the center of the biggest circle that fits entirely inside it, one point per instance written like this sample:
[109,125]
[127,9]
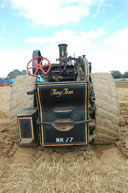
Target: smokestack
[63,51]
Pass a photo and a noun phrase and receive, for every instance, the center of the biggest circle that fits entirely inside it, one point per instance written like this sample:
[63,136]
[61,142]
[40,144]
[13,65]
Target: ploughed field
[92,169]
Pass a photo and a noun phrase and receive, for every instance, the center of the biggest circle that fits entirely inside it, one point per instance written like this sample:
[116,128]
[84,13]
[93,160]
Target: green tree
[125,75]
[116,74]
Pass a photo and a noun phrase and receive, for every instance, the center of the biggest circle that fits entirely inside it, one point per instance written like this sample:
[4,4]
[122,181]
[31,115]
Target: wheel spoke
[45,65]
[36,71]
[34,62]
[42,70]
[41,61]
[31,67]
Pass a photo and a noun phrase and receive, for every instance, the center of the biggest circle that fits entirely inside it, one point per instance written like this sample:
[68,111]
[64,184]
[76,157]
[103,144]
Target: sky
[96,28]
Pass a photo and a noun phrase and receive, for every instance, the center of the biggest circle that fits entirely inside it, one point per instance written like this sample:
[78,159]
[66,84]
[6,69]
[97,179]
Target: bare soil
[92,169]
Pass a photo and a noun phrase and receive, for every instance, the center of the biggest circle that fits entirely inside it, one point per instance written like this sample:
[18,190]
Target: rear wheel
[107,108]
[19,99]
[36,53]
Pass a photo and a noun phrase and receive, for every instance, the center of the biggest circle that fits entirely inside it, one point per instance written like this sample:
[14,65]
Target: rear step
[28,143]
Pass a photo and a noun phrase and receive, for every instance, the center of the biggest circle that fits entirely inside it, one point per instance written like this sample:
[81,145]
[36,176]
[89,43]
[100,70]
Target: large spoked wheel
[107,109]
[19,100]
[42,68]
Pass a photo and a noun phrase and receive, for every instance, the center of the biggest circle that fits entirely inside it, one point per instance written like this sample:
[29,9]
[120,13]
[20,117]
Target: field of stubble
[92,169]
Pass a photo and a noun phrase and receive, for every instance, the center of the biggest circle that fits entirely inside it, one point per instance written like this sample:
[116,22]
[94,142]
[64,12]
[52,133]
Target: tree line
[117,74]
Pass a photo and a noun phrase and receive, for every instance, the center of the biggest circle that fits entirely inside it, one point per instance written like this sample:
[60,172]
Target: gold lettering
[56,93]
[65,91]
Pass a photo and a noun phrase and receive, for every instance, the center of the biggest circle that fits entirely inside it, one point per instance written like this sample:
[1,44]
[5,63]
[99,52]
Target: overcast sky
[96,28]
